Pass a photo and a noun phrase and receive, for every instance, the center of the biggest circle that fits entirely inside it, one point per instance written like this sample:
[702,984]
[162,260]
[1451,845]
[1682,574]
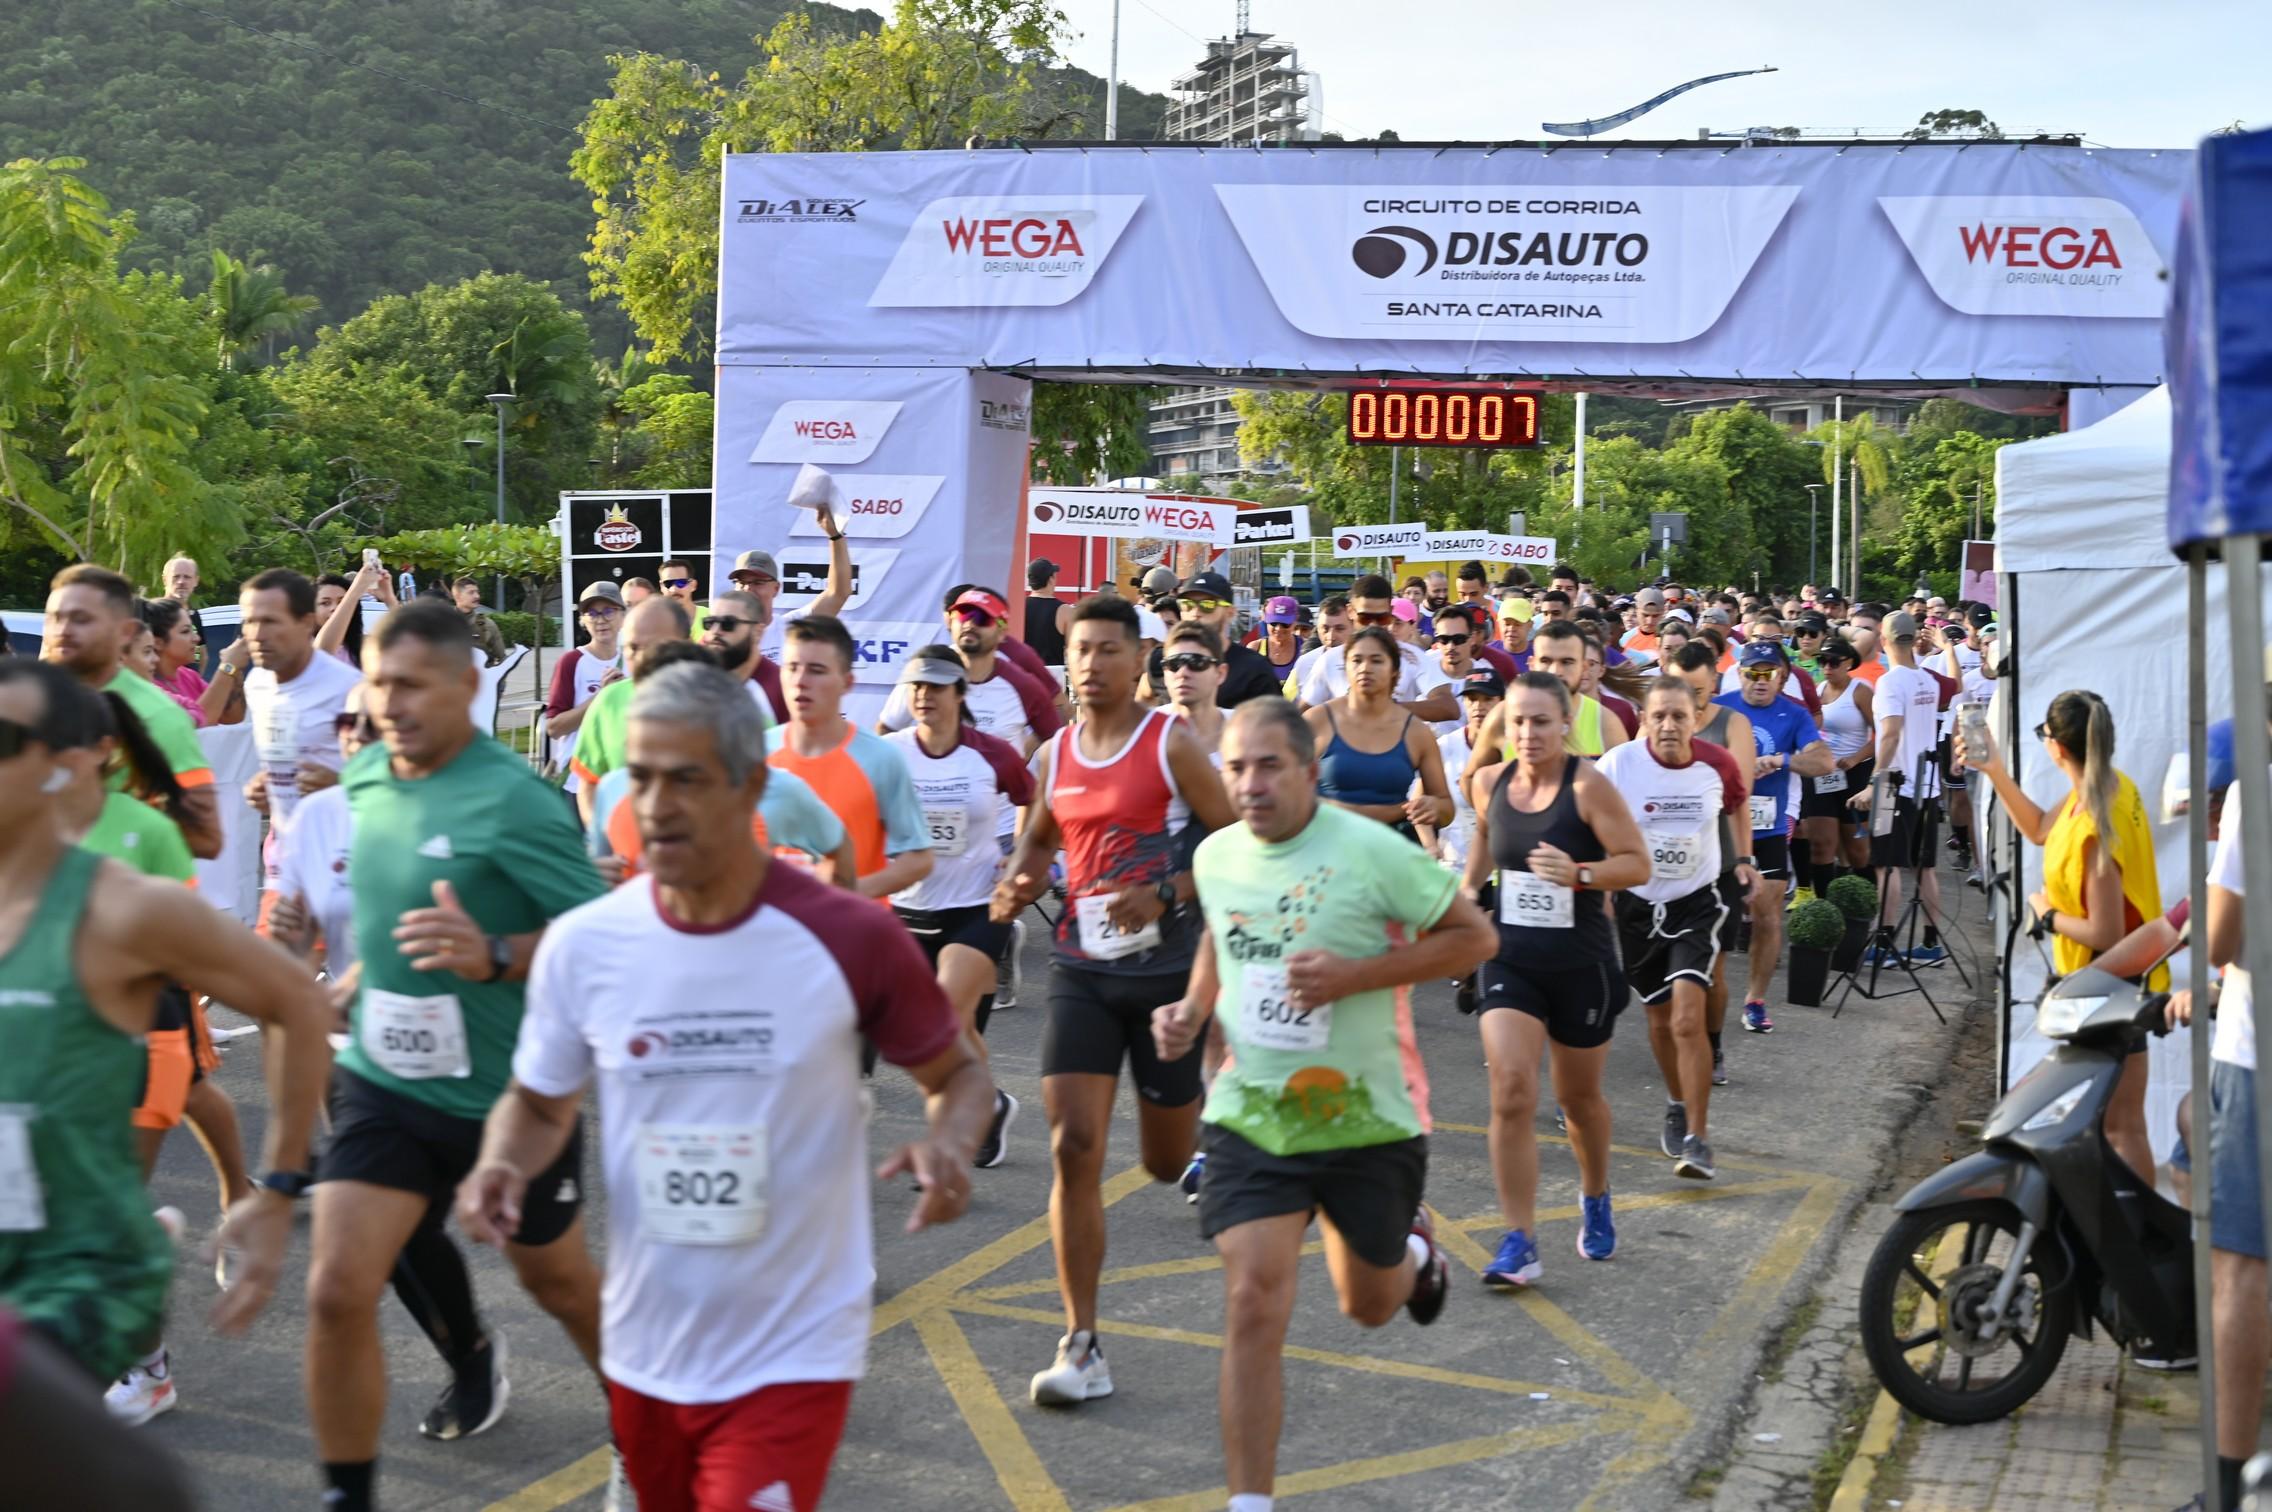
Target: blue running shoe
[1881,955]
[1188,1183]
[1928,955]
[1597,1239]
[1516,1265]
[1756,1020]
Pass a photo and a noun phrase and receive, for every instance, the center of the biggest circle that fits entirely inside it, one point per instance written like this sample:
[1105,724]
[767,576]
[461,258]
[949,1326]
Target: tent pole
[2197,868]
[1837,471]
[2252,786]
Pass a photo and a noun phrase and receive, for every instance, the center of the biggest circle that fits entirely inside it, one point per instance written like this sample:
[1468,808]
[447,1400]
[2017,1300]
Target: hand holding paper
[813,489]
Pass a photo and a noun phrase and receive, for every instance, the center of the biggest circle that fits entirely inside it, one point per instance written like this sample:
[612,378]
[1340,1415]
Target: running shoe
[1597,1235]
[1719,1067]
[1188,1182]
[1516,1264]
[1005,1114]
[1561,1120]
[146,1390]
[1676,1130]
[1756,1020]
[1695,1161]
[1881,955]
[1800,897]
[1080,1374]
[1006,968]
[1928,955]
[1432,1281]
[620,1496]
[473,1401]
[2151,1356]
[1465,995]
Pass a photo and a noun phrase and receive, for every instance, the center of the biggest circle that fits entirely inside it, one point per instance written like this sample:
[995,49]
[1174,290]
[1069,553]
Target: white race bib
[949,829]
[415,1038]
[1763,809]
[1101,939]
[701,1183]
[23,1206]
[1832,781]
[1527,900]
[1268,1019]
[1676,858]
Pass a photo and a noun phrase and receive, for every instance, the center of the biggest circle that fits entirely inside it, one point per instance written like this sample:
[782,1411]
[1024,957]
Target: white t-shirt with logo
[293,722]
[1916,697]
[739,1247]
[1678,809]
[2235,1042]
[587,675]
[1329,677]
[1458,836]
[313,865]
[966,794]
[996,709]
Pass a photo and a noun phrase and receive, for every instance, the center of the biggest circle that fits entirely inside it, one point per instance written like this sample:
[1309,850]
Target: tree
[674,431]
[96,421]
[1764,528]
[1964,123]
[253,307]
[1086,431]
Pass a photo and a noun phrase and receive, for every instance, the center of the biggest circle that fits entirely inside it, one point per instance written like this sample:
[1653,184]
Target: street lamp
[500,401]
[1813,491]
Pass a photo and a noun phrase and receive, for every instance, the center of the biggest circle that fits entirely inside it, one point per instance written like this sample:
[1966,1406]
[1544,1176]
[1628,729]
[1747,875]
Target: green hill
[367,148]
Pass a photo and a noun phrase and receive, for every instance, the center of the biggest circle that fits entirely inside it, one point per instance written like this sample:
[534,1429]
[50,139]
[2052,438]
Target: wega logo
[877,506]
[1103,512]
[827,431]
[1008,249]
[2031,254]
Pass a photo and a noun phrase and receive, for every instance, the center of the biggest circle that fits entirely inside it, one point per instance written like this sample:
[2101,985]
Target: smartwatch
[1165,892]
[500,957]
[1585,876]
[293,1184]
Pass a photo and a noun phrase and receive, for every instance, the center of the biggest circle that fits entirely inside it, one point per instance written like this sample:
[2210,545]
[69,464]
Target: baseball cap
[1830,596]
[602,589]
[757,561]
[1406,610]
[979,598]
[1482,683]
[1714,617]
[1649,598]
[1212,584]
[1762,654]
[1282,610]
[1518,610]
[1680,614]
[1158,581]
[936,670]
[1899,626]
[1812,624]
[1039,571]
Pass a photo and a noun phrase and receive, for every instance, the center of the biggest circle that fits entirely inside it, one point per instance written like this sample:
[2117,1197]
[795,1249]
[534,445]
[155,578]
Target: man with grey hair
[739,1245]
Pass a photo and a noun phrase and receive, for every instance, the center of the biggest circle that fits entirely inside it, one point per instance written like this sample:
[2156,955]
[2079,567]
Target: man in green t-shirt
[607,720]
[90,614]
[461,856]
[1315,920]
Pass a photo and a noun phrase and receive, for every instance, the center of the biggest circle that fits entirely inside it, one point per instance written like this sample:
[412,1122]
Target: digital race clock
[1478,417]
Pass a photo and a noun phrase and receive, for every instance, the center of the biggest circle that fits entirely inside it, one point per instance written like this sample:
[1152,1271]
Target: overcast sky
[2126,75]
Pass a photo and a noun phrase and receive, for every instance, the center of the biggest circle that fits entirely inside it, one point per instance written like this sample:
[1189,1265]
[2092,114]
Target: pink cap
[1405,609]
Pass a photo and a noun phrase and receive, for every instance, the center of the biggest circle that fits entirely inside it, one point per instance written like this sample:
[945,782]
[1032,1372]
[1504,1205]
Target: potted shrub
[1816,929]
[1857,899]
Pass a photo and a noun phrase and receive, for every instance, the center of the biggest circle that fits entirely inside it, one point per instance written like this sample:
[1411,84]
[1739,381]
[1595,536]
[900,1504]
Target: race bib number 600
[415,1038]
[702,1183]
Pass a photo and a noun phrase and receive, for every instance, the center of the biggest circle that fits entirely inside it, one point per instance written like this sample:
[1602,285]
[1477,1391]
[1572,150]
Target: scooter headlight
[2060,1017]
[2056,1111]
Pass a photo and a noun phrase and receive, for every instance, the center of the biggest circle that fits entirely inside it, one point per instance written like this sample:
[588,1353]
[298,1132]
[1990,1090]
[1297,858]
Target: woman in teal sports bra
[1370,748]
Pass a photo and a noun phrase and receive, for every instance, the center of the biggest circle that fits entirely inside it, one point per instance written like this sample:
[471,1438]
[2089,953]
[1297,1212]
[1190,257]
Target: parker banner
[928,466]
[2036,264]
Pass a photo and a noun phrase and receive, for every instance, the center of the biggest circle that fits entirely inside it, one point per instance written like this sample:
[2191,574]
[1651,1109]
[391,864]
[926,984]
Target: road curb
[1879,1435]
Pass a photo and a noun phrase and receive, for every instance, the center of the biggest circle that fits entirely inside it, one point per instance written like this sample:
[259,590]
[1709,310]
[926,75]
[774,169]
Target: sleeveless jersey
[1124,825]
[1543,927]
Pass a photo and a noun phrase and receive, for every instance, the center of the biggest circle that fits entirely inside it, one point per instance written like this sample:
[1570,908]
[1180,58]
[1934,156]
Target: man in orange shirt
[1640,643]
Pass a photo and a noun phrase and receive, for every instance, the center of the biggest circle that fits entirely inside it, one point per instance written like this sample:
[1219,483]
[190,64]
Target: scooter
[1972,1293]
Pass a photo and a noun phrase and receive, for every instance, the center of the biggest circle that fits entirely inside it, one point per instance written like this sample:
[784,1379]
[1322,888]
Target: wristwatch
[1585,876]
[293,1184]
[500,958]
[1165,892]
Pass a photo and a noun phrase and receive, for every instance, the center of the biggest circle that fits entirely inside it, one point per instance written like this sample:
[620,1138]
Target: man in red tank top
[1127,793]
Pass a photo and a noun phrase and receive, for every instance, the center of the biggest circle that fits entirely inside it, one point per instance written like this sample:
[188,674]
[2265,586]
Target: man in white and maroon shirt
[740,1266]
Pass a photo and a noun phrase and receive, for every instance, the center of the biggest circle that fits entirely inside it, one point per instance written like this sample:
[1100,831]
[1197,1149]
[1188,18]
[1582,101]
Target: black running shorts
[1670,942]
[388,1140]
[1096,1021]
[935,930]
[1770,857]
[1579,1006]
[1838,805]
[1370,1194]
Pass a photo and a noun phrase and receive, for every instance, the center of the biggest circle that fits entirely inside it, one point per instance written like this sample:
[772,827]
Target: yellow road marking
[1884,1425]
[1388,1466]
[1028,1484]
[1368,1364]
[1653,1154]
[1187,1267]
[1764,1281]
[1679,1196]
[559,1488]
[1607,1362]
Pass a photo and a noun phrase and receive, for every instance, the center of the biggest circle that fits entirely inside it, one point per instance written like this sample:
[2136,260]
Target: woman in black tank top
[1559,840]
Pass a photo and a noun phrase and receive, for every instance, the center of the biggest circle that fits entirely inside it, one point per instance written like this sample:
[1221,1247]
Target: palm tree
[1854,443]
[538,361]
[254,307]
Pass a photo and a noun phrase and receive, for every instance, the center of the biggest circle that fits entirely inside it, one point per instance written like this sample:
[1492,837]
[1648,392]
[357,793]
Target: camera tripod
[1918,827]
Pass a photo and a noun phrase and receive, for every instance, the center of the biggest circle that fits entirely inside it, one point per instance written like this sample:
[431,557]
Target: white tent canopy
[2091,498]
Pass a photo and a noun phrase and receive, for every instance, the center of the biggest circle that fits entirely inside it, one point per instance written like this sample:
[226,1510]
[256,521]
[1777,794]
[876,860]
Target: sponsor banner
[1440,261]
[1271,527]
[1379,540]
[825,431]
[1019,249]
[2082,258]
[1916,264]
[1489,546]
[804,575]
[1117,512]
[875,506]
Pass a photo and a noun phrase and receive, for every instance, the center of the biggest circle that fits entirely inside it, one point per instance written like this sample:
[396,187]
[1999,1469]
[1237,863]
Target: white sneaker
[620,1497]
[141,1394]
[1080,1374]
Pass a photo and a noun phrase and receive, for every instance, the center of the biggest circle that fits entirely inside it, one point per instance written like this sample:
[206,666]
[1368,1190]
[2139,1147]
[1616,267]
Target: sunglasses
[1376,619]
[1199,605]
[978,617]
[678,582]
[14,737]
[2043,731]
[730,624]
[1452,640]
[1190,662]
[1760,674]
[359,723]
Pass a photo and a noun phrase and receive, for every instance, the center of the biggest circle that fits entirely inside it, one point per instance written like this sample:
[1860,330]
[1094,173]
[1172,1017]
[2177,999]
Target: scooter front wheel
[1928,1303]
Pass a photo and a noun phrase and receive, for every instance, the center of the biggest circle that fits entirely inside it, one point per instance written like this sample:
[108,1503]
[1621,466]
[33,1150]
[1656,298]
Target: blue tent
[2219,345]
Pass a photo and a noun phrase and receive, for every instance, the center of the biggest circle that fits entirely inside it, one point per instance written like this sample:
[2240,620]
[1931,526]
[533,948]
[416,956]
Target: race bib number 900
[1675,858]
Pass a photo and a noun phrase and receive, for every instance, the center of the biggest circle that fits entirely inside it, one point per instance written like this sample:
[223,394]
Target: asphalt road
[1603,1388]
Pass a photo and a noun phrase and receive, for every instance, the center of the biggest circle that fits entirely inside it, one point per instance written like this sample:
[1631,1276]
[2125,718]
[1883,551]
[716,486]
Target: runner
[1560,840]
[579,675]
[1558,648]
[1281,636]
[86,945]
[1834,843]
[861,778]
[1679,788]
[734,634]
[1420,684]
[1194,669]
[1323,1105]
[1640,642]
[1786,745]
[440,814]
[1375,750]
[1126,792]
[1479,695]
[740,1264]
[965,779]
[1206,598]
[599,741]
[1333,629]
[293,699]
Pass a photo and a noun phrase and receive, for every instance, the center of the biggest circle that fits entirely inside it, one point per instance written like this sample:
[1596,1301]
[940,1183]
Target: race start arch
[883,314]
